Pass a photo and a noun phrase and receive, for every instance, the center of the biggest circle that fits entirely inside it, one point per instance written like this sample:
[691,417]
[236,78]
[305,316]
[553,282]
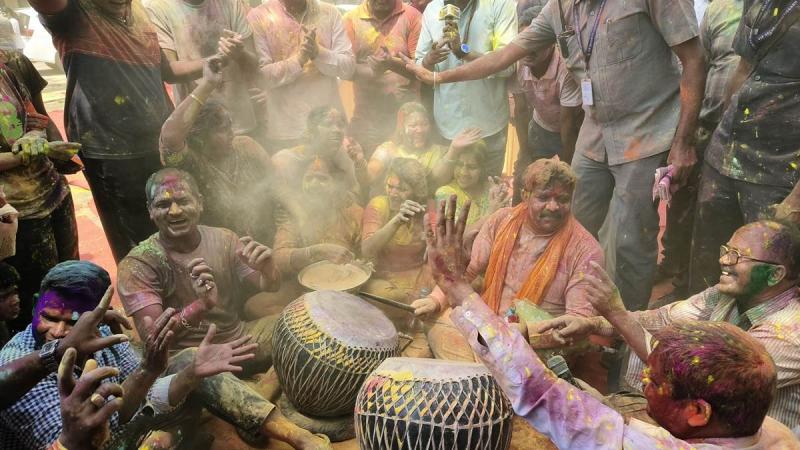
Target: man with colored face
[70,290]
[203,273]
[757,292]
[709,384]
[535,251]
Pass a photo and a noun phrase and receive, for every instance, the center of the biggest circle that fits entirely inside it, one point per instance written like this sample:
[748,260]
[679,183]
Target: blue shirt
[34,422]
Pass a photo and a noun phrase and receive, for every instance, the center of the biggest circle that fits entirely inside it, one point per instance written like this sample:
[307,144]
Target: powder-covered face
[549,208]
[9,304]
[397,191]
[175,209]
[381,8]
[220,137]
[658,392]
[330,131]
[467,171]
[417,128]
[747,277]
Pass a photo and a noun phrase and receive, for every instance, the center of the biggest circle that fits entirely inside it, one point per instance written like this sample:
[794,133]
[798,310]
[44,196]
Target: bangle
[197,99]
[57,445]
[434,78]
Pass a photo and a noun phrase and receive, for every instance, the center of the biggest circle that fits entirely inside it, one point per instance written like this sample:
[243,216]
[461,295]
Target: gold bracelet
[197,99]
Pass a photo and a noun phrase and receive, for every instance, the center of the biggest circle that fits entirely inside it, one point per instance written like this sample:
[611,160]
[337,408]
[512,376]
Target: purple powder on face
[54,300]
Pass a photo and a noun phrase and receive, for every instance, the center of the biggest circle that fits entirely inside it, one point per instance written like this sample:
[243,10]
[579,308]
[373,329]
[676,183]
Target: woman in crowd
[471,183]
[325,227]
[47,231]
[414,139]
[234,172]
[325,140]
[392,233]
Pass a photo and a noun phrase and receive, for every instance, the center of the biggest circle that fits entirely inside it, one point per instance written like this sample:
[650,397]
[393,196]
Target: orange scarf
[543,271]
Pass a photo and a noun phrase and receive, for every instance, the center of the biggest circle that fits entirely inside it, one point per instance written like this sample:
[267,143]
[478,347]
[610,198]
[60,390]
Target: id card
[586,92]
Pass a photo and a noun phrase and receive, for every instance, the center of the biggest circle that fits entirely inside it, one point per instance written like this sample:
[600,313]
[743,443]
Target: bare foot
[315,442]
[279,427]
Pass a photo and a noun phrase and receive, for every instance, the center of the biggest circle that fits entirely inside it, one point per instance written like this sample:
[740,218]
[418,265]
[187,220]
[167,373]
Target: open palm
[212,359]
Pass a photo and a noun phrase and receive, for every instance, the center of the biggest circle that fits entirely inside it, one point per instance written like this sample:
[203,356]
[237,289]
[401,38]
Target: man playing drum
[708,384]
[535,251]
[202,272]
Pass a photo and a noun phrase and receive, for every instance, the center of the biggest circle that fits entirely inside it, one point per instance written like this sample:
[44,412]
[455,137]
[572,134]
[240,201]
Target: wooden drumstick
[387,302]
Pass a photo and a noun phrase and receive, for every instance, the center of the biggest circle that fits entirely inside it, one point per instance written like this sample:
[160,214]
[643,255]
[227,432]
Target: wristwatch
[463,51]
[48,355]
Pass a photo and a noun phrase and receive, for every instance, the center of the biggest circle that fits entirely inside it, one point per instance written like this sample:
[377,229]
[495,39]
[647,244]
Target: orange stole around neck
[543,271]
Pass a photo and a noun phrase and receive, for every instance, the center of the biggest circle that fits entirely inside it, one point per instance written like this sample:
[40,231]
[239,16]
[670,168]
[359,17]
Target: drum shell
[319,374]
[464,413]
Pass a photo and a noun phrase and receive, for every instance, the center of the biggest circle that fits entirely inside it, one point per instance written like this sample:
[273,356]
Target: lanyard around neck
[587,52]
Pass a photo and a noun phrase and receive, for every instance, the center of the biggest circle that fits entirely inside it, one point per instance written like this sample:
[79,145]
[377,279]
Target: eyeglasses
[725,252]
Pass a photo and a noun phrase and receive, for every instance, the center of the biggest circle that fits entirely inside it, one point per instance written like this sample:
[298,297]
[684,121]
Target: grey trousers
[616,204]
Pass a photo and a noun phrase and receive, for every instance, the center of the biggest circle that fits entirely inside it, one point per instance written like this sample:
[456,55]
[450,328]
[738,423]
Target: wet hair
[211,114]
[783,243]
[168,174]
[547,172]
[530,13]
[411,172]
[721,364]
[403,114]
[9,277]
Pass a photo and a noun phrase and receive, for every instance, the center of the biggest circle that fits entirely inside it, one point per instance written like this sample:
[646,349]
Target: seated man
[9,299]
[325,226]
[535,251]
[757,292]
[69,290]
[708,386]
[202,272]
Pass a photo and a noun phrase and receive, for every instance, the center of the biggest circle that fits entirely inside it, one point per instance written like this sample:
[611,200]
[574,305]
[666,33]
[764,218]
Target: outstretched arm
[488,64]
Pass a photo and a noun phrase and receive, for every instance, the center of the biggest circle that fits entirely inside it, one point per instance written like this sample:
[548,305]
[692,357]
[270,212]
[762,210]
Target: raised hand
[446,247]
[499,193]
[465,138]
[212,69]
[257,256]
[602,293]
[212,359]
[408,210]
[159,338]
[438,53]
[85,408]
[83,336]
[203,282]
[231,44]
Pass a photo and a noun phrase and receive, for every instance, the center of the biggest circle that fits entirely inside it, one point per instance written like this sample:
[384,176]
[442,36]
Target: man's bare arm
[682,154]
[49,7]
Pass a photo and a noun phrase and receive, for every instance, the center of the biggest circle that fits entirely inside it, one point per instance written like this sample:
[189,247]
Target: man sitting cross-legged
[203,272]
[535,252]
[757,292]
[73,288]
[709,384]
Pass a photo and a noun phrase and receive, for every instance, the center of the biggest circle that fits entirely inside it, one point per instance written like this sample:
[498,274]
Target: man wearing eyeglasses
[757,292]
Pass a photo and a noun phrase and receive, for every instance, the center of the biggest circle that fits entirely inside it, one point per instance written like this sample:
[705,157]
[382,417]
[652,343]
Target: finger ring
[194,277]
[208,287]
[97,400]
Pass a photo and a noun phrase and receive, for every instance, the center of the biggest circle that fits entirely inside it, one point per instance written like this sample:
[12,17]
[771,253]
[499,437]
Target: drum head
[429,369]
[350,320]
[326,275]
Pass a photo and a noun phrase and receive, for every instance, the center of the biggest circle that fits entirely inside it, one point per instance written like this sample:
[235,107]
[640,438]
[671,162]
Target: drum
[422,404]
[324,345]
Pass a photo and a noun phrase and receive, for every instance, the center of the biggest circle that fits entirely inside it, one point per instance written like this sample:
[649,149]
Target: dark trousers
[541,144]
[41,244]
[723,205]
[616,204]
[118,190]
[496,152]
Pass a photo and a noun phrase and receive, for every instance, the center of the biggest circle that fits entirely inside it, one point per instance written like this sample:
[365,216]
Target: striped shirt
[775,323]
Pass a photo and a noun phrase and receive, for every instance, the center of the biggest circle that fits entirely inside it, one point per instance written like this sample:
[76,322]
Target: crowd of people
[222,163]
